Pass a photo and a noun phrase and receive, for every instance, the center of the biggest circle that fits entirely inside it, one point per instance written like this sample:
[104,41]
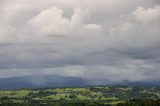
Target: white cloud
[150,15]
[52,22]
[136,30]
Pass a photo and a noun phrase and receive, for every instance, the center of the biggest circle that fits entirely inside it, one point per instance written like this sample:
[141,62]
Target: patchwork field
[88,96]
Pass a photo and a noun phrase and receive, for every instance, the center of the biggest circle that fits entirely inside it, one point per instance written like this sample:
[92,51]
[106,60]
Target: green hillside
[89,96]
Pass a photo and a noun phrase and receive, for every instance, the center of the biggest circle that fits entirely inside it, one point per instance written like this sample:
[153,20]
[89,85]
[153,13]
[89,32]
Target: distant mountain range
[148,83]
[43,81]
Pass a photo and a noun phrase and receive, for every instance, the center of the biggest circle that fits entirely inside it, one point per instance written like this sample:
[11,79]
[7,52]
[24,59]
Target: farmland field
[87,96]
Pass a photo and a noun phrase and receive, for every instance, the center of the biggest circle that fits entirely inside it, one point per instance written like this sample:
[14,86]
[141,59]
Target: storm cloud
[92,39]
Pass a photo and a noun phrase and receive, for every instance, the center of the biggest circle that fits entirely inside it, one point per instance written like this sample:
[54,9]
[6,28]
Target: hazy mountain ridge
[42,81]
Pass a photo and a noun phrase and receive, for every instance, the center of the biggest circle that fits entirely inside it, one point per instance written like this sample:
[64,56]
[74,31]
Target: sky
[94,39]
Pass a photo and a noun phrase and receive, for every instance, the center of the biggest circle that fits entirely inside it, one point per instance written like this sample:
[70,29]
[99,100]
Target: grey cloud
[126,49]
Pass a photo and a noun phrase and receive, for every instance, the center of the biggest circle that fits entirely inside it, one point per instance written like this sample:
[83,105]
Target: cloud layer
[107,39]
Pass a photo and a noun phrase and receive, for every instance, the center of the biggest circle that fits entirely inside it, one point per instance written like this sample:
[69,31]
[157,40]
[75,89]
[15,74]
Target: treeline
[132,102]
[141,102]
[54,104]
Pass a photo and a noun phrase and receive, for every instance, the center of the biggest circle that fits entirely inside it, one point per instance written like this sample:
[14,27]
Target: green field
[88,96]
